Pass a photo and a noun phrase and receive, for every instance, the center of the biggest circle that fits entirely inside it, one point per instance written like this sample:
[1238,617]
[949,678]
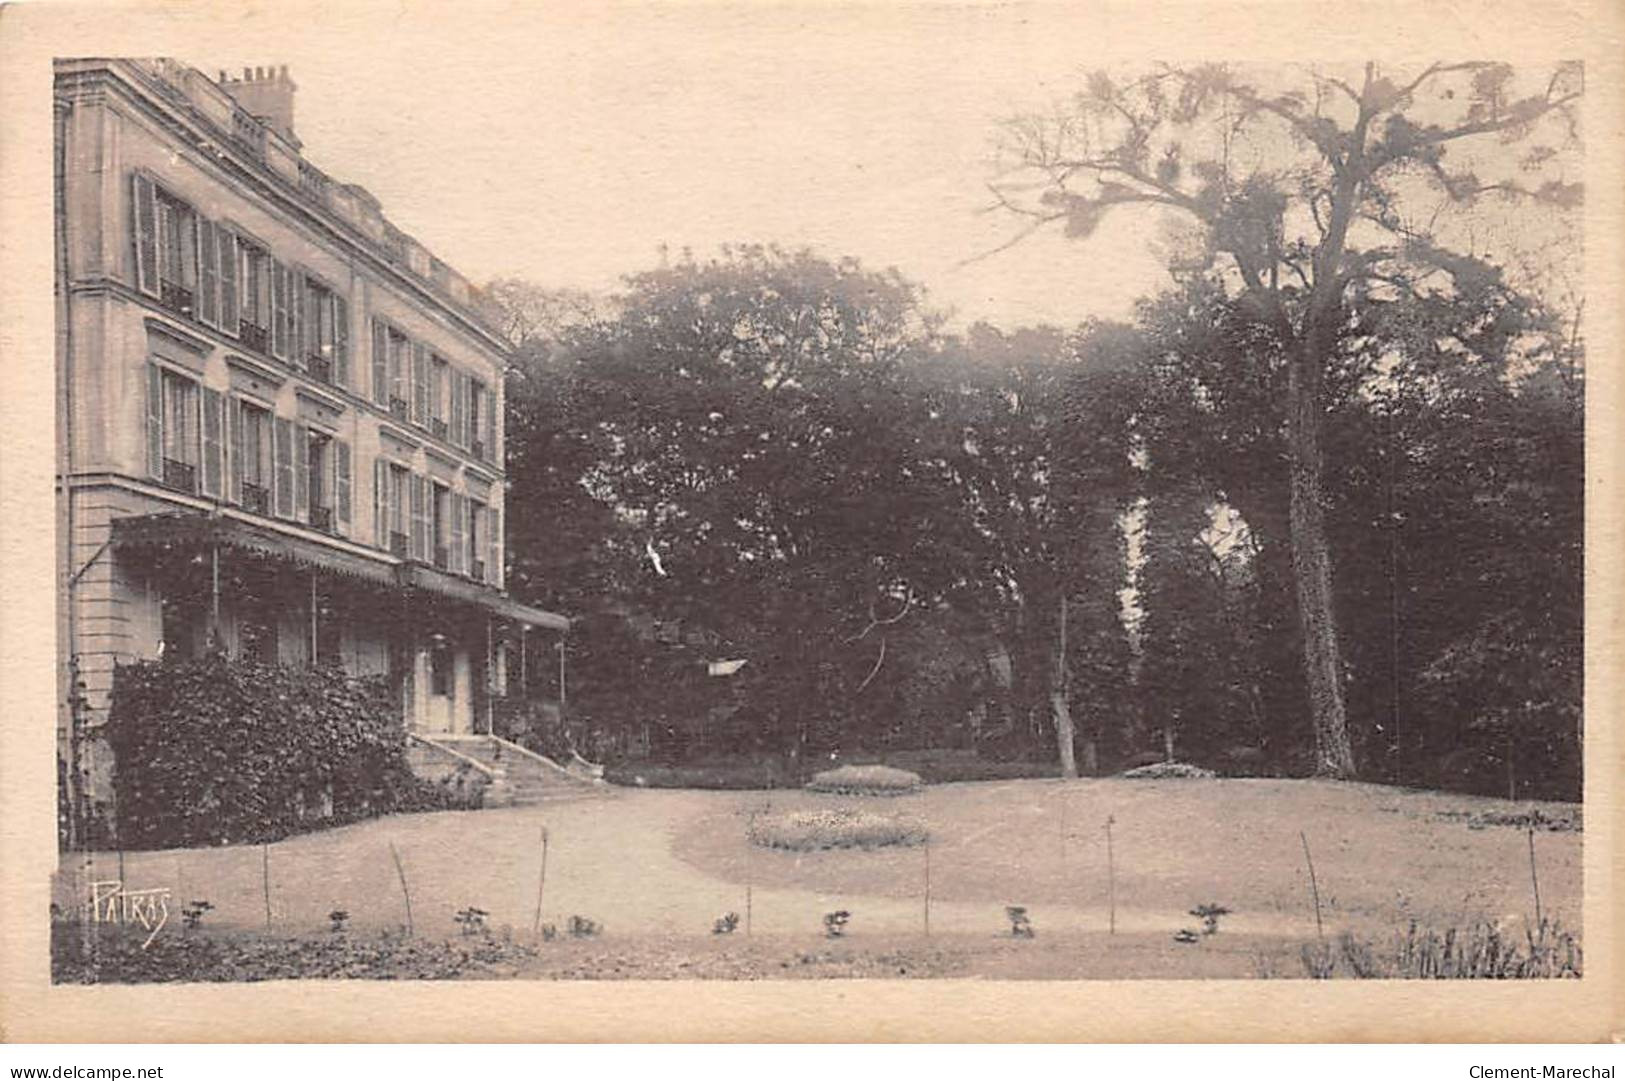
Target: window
[217,276]
[341,485]
[399,373]
[459,408]
[397,503]
[440,669]
[458,548]
[390,506]
[421,543]
[286,476]
[476,535]
[326,318]
[254,314]
[319,485]
[476,417]
[166,247]
[251,445]
[439,373]
[440,525]
[420,385]
[172,429]
[284,314]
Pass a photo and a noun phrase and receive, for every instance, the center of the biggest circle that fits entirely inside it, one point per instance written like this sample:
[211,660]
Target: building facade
[279,418]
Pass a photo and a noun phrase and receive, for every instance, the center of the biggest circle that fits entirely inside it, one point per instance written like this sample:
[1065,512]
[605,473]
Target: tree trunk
[1312,568]
[1063,732]
[1058,705]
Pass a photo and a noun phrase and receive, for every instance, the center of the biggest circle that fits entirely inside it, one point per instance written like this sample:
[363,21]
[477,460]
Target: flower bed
[811,831]
[865,781]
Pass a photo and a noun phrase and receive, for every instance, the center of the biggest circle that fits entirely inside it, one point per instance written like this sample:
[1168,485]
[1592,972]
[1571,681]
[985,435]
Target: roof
[187,532]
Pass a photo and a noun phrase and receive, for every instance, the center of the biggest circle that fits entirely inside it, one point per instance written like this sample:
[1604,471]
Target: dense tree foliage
[1303,193]
[1320,502]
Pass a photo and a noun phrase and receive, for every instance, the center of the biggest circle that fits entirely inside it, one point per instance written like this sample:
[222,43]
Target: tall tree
[1304,191]
[741,427]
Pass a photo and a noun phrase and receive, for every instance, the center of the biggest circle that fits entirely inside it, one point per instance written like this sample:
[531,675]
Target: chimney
[267,94]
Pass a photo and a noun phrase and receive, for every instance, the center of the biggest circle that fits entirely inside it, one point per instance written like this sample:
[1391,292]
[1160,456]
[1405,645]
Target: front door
[438,706]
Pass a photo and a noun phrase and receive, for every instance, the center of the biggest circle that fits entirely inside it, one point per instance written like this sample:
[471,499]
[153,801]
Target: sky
[568,147]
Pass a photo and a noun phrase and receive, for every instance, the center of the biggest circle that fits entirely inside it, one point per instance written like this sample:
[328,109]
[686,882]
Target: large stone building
[280,418]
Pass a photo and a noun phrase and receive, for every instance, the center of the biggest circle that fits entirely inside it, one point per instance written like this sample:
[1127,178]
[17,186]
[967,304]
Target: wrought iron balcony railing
[253,336]
[437,427]
[182,476]
[256,498]
[476,569]
[177,298]
[398,407]
[320,367]
[442,556]
[397,544]
[321,518]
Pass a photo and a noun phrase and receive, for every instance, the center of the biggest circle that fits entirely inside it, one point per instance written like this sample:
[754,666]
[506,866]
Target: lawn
[656,868]
[1382,855]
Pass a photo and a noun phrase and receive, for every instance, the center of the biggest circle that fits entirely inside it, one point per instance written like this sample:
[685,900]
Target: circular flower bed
[1159,770]
[865,781]
[810,831]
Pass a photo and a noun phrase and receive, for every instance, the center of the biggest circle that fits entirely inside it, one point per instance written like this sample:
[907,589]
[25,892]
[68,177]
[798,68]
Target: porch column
[214,596]
[561,679]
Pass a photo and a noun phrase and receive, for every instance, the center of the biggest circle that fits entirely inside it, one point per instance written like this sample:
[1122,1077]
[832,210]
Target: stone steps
[519,779]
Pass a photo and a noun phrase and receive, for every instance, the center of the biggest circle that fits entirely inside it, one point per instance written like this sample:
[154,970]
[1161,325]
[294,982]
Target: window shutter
[298,331]
[341,484]
[145,220]
[226,263]
[420,517]
[208,291]
[459,408]
[213,445]
[155,421]
[400,372]
[341,341]
[380,517]
[491,426]
[380,363]
[459,508]
[420,384]
[493,560]
[239,452]
[279,310]
[282,469]
[301,472]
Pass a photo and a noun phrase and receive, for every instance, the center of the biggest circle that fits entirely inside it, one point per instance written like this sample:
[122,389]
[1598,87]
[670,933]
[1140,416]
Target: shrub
[216,751]
[945,766]
[865,781]
[1481,951]
[1161,770]
[471,920]
[809,831]
[1209,915]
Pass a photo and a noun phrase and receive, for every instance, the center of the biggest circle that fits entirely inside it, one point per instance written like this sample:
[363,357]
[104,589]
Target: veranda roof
[195,532]
[188,532]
